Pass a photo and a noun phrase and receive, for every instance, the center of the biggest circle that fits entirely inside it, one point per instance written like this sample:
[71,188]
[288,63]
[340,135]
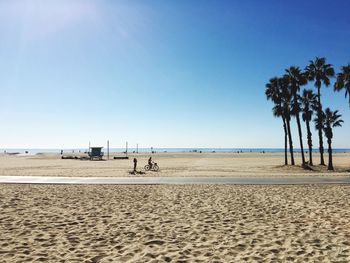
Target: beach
[171,164]
[173,223]
[165,131]
[191,223]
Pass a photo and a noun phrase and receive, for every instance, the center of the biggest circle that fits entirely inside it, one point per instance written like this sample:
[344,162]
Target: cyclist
[150,163]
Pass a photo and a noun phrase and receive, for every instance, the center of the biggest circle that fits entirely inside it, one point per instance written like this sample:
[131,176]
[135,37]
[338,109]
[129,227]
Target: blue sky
[159,73]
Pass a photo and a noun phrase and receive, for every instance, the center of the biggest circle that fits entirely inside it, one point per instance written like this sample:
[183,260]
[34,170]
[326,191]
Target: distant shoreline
[161,150]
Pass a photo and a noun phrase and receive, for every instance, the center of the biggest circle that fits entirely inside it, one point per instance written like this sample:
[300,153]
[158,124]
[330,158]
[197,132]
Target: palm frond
[343,81]
[319,71]
[332,118]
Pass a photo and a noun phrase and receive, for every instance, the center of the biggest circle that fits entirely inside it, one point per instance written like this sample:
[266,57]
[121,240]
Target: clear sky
[159,73]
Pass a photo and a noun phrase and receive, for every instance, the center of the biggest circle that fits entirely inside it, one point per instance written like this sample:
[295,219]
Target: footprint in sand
[155,242]
[96,259]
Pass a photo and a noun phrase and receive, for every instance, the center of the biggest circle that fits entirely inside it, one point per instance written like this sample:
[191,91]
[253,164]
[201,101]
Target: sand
[171,164]
[202,223]
[173,223]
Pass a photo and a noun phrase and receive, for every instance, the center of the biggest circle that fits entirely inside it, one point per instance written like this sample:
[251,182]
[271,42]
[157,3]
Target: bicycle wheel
[147,167]
[155,168]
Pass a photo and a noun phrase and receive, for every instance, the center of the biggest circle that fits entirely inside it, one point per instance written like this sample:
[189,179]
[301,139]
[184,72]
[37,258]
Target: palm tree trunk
[319,115]
[330,159]
[300,138]
[285,141]
[290,142]
[309,141]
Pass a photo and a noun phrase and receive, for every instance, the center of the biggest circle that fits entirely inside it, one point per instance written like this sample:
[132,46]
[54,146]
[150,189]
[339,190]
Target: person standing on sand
[135,164]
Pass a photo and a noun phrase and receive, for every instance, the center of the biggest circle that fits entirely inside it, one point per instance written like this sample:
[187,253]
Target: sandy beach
[174,223]
[171,164]
[218,93]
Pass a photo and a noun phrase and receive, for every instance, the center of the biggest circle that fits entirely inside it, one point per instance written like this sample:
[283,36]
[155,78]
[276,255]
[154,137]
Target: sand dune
[174,223]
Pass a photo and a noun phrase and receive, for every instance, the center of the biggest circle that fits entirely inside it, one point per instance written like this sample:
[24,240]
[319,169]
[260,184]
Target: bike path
[138,180]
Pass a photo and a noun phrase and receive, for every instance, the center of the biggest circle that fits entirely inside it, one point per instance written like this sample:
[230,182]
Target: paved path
[176,180]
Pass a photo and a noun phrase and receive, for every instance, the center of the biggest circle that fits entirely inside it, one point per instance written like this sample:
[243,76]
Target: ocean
[169,150]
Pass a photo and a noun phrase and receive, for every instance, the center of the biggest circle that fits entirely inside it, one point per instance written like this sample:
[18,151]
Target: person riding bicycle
[150,163]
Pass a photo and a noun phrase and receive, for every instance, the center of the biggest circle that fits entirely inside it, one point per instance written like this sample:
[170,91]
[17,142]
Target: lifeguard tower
[95,153]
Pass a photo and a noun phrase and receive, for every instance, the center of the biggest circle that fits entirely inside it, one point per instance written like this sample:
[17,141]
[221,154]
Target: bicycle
[154,168]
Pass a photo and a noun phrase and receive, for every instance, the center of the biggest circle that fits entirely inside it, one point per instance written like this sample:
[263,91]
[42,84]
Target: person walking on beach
[135,164]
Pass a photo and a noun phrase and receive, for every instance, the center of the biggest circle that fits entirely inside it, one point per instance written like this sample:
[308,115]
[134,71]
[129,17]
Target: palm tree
[296,79]
[278,112]
[343,81]
[277,91]
[273,93]
[330,121]
[286,102]
[319,72]
[308,103]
